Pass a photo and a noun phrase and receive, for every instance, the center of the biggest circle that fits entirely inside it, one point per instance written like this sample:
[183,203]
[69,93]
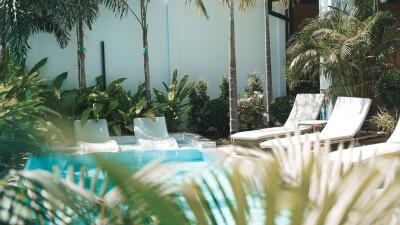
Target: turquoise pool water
[190,162]
[132,159]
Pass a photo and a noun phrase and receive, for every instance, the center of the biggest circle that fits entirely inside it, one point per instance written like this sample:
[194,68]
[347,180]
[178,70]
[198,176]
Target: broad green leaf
[117,129]
[97,108]
[59,80]
[85,116]
[113,105]
[174,78]
[38,65]
[28,94]
[171,95]
[165,86]
[182,84]
[150,114]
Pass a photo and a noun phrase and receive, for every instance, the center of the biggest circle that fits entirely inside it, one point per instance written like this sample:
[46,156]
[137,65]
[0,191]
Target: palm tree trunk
[143,15]
[146,66]
[2,51]
[268,74]
[81,57]
[233,110]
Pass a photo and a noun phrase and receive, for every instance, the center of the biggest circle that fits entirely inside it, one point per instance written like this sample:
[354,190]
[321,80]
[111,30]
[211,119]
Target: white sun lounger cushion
[347,118]
[364,152]
[368,151]
[305,107]
[345,121]
[108,146]
[272,132]
[159,144]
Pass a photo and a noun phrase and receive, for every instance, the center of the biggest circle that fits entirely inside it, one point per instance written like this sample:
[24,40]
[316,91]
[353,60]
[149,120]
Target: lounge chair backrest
[92,131]
[395,137]
[147,128]
[305,107]
[347,117]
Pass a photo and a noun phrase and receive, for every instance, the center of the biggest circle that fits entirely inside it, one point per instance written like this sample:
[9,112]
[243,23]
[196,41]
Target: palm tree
[83,13]
[141,18]
[355,48]
[20,19]
[267,45]
[233,108]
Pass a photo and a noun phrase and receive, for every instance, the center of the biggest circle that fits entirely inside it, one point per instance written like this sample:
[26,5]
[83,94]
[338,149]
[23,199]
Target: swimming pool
[190,162]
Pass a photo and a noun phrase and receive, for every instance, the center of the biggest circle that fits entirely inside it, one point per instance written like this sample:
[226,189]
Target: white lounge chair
[358,154]
[153,135]
[345,121]
[305,107]
[93,136]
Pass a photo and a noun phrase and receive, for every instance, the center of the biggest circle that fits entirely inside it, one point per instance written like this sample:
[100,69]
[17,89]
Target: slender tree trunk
[268,74]
[233,109]
[2,51]
[143,12]
[146,66]
[81,57]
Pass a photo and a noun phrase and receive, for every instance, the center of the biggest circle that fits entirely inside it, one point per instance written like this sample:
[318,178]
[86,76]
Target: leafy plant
[280,109]
[198,98]
[114,194]
[224,87]
[21,19]
[23,123]
[251,107]
[254,84]
[384,121]
[291,188]
[171,104]
[388,89]
[351,50]
[115,104]
[216,113]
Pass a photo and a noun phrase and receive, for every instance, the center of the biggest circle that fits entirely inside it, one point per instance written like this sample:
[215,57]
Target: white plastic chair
[93,136]
[153,135]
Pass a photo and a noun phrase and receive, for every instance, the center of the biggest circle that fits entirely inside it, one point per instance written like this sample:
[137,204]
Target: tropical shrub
[254,83]
[216,113]
[171,103]
[114,103]
[224,87]
[384,121]
[251,107]
[306,86]
[280,109]
[388,89]
[252,111]
[351,48]
[198,98]
[23,124]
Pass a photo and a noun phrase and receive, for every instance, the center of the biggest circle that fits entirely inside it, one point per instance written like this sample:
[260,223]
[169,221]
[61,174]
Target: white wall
[178,38]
